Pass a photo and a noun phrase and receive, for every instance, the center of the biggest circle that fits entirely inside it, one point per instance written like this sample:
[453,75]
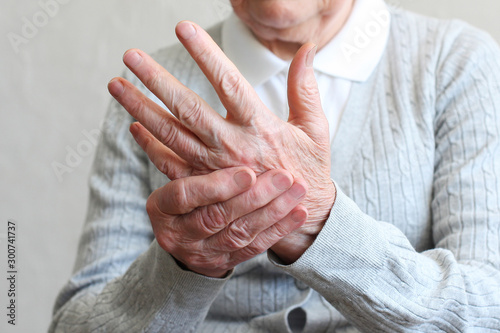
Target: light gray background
[53,91]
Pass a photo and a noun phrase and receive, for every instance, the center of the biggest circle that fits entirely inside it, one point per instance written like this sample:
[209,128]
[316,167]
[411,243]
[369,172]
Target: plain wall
[53,94]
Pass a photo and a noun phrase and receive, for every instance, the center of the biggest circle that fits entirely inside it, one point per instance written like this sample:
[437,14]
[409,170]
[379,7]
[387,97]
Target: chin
[288,34]
[276,14]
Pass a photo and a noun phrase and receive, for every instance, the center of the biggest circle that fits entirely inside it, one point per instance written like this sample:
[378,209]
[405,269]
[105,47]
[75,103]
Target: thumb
[304,101]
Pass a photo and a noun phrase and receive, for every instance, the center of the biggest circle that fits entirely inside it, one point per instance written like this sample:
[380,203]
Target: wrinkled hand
[197,141]
[210,223]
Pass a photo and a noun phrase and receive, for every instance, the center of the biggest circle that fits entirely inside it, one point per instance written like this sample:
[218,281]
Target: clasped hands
[242,184]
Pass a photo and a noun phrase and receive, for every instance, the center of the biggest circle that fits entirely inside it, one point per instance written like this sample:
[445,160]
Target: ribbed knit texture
[413,240]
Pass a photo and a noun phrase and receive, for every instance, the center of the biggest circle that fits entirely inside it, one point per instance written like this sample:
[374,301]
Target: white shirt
[351,56]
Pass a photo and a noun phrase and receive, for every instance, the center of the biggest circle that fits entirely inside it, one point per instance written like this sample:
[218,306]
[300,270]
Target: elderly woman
[355,192]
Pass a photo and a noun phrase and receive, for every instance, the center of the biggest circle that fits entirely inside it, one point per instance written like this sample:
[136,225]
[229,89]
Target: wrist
[319,207]
[293,246]
[213,274]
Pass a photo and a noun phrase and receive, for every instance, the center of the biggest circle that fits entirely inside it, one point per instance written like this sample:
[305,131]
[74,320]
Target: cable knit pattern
[412,243]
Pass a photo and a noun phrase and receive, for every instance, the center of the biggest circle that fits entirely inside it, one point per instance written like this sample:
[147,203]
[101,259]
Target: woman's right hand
[210,223]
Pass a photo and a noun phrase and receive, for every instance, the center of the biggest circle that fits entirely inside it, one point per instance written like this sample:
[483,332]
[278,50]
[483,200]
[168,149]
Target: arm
[374,276]
[122,277]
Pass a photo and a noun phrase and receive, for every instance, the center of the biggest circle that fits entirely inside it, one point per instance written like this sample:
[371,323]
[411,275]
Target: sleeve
[368,269]
[123,280]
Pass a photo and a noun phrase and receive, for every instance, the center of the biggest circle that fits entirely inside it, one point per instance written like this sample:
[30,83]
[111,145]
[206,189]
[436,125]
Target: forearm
[153,295]
[370,272]
[122,279]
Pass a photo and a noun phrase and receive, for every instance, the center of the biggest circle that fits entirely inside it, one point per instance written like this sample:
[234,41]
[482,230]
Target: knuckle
[253,250]
[139,105]
[218,212]
[230,83]
[190,110]
[154,80]
[234,244]
[178,196]
[279,231]
[212,218]
[201,160]
[204,55]
[238,236]
[257,199]
[310,92]
[163,165]
[166,130]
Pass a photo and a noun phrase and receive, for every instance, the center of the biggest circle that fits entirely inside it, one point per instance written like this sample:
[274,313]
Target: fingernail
[310,56]
[132,58]
[243,179]
[186,30]
[299,216]
[281,182]
[297,191]
[115,87]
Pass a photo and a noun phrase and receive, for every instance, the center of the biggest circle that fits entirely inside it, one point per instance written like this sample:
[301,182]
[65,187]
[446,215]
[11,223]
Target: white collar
[352,54]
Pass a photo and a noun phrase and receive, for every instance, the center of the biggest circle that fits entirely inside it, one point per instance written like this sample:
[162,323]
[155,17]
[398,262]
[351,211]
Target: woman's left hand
[198,140]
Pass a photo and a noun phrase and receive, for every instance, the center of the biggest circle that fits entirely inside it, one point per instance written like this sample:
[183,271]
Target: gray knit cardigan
[412,243]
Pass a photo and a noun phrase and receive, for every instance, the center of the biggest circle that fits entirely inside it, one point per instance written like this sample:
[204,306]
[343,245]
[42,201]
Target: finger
[182,196]
[212,219]
[192,111]
[243,231]
[157,121]
[168,162]
[236,94]
[303,96]
[269,237]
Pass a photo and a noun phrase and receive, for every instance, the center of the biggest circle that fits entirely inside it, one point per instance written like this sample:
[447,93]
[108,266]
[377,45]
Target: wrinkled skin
[196,141]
